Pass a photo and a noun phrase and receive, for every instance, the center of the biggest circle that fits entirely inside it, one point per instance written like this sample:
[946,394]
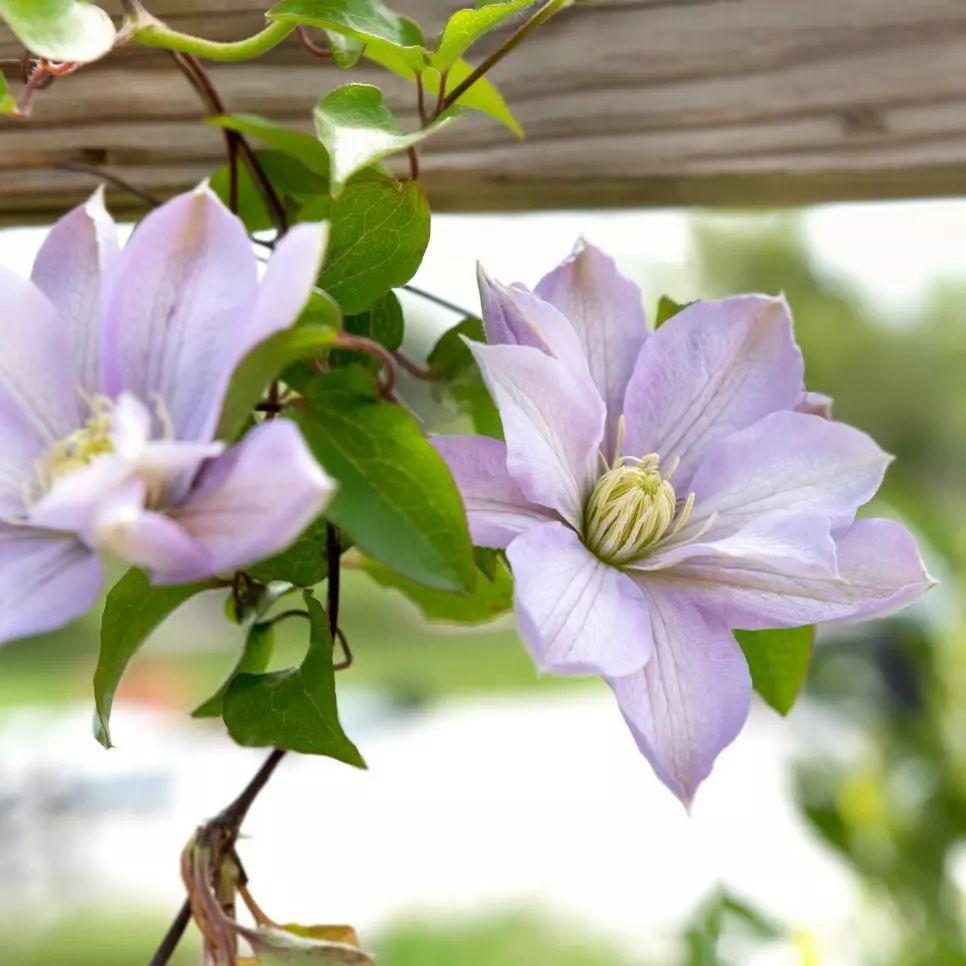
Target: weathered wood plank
[626,102]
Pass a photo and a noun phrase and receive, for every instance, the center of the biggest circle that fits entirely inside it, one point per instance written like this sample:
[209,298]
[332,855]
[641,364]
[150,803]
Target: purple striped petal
[553,420]
[787,462]
[251,502]
[187,284]
[38,381]
[512,315]
[46,580]
[691,698]
[712,369]
[879,571]
[496,509]
[71,269]
[604,307]
[576,614]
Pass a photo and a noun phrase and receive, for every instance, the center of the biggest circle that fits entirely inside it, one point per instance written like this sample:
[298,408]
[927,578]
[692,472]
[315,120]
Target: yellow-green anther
[630,509]
[80,448]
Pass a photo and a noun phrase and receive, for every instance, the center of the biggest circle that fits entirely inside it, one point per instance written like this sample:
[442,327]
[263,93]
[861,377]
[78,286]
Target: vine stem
[229,819]
[148,31]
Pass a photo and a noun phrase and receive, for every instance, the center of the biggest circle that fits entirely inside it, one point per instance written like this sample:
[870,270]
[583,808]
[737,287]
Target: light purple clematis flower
[112,375]
[657,490]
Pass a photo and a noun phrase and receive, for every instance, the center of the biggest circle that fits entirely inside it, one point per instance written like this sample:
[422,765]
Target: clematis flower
[114,367]
[658,490]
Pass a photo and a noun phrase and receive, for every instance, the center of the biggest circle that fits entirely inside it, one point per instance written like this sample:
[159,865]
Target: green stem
[153,33]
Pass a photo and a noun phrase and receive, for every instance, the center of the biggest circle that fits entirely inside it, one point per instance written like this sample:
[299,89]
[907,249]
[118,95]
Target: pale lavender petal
[553,420]
[37,374]
[789,543]
[496,509]
[691,698]
[605,309]
[72,268]
[145,538]
[787,462]
[46,580]
[19,455]
[576,614]
[187,284]
[879,571]
[287,284]
[512,315]
[815,404]
[253,501]
[712,369]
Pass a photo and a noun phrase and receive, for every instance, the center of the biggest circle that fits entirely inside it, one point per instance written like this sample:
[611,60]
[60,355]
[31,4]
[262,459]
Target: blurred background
[510,820]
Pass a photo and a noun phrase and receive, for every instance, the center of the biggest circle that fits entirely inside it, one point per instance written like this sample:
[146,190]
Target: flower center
[81,447]
[630,509]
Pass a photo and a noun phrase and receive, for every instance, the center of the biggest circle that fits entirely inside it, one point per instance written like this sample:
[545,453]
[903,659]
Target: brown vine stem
[228,823]
[191,67]
[540,17]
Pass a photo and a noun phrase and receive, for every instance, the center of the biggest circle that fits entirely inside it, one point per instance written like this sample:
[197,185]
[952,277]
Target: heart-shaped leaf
[293,709]
[60,30]
[253,659]
[357,129]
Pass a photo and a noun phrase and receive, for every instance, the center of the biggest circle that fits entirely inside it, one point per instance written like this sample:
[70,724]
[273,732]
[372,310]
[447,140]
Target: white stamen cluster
[631,508]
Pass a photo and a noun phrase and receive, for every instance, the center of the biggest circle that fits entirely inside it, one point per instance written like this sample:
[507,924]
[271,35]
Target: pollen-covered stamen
[631,508]
[81,447]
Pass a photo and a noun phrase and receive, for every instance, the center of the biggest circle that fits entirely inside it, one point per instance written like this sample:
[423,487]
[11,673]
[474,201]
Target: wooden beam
[625,102]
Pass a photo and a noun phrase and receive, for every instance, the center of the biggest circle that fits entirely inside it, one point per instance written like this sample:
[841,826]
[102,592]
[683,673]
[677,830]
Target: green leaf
[296,144]
[778,660]
[366,20]
[396,498]
[134,608]
[345,50]
[490,598]
[293,709]
[253,659]
[357,129]
[378,233]
[465,27]
[666,308]
[459,377]
[7,103]
[61,30]
[263,363]
[304,563]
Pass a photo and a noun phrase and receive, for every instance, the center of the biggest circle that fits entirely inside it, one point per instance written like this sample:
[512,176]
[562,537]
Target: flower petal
[605,309]
[576,614]
[553,420]
[46,580]
[287,284]
[790,543]
[713,368]
[251,502]
[72,269]
[691,699]
[512,315]
[879,571]
[37,374]
[145,538]
[186,286]
[787,462]
[496,509]
[815,404]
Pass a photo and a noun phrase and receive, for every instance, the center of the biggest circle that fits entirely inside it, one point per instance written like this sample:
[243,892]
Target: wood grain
[626,102]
